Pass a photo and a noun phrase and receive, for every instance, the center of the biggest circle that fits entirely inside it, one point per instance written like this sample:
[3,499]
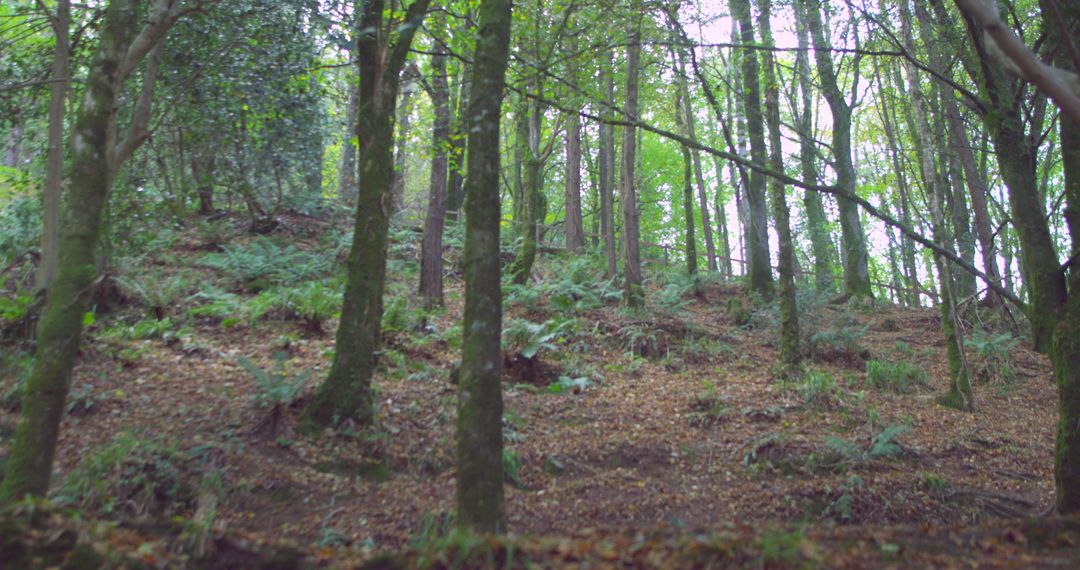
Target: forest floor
[661,438]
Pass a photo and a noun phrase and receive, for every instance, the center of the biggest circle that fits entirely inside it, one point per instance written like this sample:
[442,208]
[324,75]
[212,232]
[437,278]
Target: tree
[96,156]
[790,346]
[759,266]
[345,395]
[50,210]
[479,439]
[431,251]
[633,292]
[856,268]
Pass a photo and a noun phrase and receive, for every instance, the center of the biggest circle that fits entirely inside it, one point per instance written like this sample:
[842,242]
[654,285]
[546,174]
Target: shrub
[277,388]
[816,388]
[840,341]
[263,263]
[993,356]
[131,474]
[897,377]
[156,292]
[528,338]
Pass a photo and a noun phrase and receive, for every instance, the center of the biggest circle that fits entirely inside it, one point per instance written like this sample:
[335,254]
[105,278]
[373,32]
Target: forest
[539,284]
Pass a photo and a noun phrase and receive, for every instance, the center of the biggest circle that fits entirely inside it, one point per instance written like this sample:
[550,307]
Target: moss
[737,310]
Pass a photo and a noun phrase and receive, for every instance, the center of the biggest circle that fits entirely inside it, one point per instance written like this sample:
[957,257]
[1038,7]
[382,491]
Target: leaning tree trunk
[757,234]
[480,493]
[790,348]
[54,161]
[345,395]
[633,291]
[431,249]
[95,157]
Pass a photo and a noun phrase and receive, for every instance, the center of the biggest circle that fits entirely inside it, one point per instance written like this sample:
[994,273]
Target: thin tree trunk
[607,173]
[634,293]
[404,112]
[757,234]
[856,257]
[456,187]
[431,249]
[347,174]
[790,351]
[816,219]
[480,493]
[54,160]
[575,231]
[721,220]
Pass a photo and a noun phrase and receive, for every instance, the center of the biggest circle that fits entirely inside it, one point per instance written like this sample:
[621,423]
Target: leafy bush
[528,338]
[215,304]
[20,221]
[993,356]
[897,377]
[568,385]
[155,291]
[882,445]
[816,388]
[15,369]
[214,233]
[708,407]
[134,475]
[263,263]
[277,388]
[839,341]
[312,302]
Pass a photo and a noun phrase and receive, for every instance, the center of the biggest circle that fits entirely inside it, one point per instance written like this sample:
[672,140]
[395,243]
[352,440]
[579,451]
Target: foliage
[992,360]
[278,388]
[897,377]
[155,291]
[839,340]
[816,387]
[568,385]
[15,369]
[312,302]
[132,474]
[528,338]
[20,223]
[263,263]
[884,444]
[708,407]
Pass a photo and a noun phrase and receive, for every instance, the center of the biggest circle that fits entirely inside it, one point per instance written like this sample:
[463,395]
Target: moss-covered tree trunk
[346,395]
[790,347]
[1065,351]
[816,219]
[856,257]
[633,291]
[93,161]
[759,271]
[480,493]
[431,249]
[455,191]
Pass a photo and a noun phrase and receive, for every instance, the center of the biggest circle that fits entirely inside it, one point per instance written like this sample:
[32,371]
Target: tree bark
[431,249]
[345,395]
[347,175]
[856,257]
[606,159]
[404,111]
[790,347]
[633,291]
[29,466]
[575,230]
[757,232]
[480,493]
[816,219]
[54,160]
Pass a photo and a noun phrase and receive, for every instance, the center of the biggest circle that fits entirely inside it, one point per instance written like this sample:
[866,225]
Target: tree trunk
[575,230]
[431,250]
[54,160]
[816,219]
[480,493]
[633,292]
[606,159]
[347,175]
[757,234]
[404,112]
[345,395]
[93,163]
[455,190]
[856,257]
[531,199]
[790,347]
[721,220]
